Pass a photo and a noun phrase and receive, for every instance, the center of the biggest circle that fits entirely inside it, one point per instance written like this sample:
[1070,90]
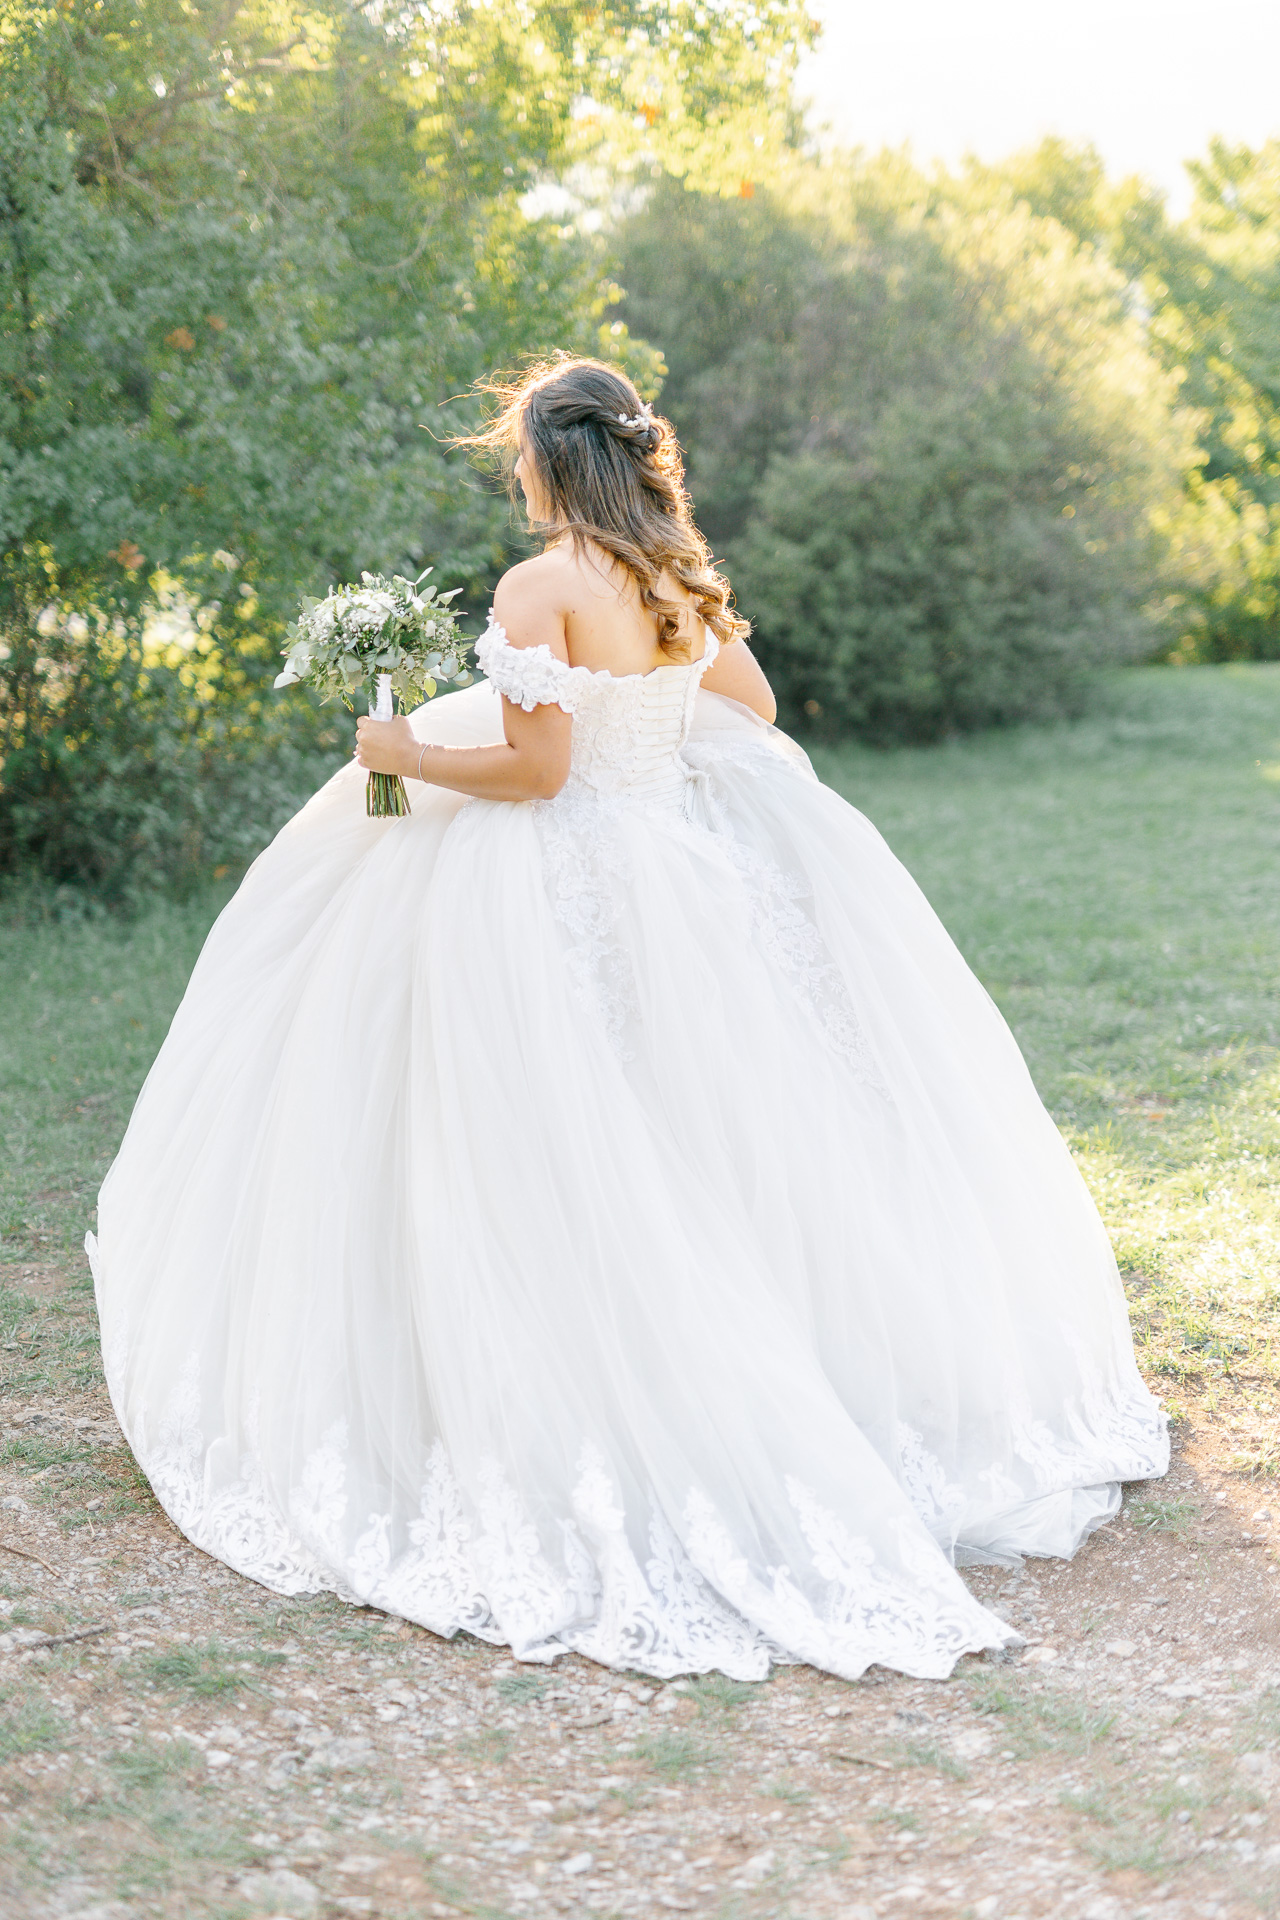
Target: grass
[1113,882]
[521,1688]
[204,1672]
[80,1480]
[1175,1516]
[931,1753]
[790,1792]
[676,1754]
[148,1764]
[716,1696]
[28,1724]
[87,1005]
[1030,1722]
[1134,1823]
[487,1746]
[46,1345]
[905,1819]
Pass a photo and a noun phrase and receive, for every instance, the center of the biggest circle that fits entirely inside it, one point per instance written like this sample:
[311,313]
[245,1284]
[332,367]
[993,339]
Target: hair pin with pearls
[637,420]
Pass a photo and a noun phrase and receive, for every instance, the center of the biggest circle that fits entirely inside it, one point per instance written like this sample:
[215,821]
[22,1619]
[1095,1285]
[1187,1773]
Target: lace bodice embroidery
[628,729]
[629,737]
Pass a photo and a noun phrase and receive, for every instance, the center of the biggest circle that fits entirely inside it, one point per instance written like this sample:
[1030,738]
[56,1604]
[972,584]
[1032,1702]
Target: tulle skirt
[627,1232]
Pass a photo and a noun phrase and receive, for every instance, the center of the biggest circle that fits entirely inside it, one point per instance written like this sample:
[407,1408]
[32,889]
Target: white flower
[375,626]
[371,608]
[295,667]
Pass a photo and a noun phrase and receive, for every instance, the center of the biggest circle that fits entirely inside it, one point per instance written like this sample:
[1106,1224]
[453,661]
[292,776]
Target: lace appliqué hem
[691,1605]
[1115,1432]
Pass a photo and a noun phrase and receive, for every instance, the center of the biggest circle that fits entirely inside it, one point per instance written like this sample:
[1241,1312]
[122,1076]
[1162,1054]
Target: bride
[602,1211]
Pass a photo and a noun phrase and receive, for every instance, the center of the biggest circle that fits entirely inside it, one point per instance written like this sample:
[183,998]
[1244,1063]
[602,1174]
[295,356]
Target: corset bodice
[628,729]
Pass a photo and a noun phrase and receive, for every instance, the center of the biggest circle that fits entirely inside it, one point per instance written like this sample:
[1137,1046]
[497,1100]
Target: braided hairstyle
[611,470]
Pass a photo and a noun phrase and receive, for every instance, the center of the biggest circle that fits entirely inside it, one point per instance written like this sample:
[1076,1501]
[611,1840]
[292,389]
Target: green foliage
[247,256]
[930,437]
[1214,285]
[1037,1723]
[715,1695]
[1211,287]
[340,645]
[148,1765]
[124,773]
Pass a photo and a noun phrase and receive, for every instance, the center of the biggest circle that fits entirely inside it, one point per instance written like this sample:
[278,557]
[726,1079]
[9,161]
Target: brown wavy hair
[613,474]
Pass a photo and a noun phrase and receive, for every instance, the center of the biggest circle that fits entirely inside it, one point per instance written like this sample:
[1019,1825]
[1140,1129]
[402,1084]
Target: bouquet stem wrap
[384,796]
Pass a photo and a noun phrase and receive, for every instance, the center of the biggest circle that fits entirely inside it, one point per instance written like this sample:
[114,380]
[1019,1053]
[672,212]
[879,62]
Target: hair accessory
[637,420]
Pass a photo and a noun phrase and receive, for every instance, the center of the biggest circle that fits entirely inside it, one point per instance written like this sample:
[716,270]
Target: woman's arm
[533,763]
[737,674]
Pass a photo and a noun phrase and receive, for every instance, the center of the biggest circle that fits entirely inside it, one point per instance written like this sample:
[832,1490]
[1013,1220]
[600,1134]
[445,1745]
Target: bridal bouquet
[382,637]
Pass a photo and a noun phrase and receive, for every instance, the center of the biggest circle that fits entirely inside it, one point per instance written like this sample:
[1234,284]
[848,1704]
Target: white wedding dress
[618,1223]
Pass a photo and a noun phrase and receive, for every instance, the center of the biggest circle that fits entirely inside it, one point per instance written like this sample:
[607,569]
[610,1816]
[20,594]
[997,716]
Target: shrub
[929,437]
[119,779]
[906,598]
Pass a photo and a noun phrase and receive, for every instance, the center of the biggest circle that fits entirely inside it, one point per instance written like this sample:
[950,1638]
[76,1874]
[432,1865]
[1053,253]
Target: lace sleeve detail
[529,676]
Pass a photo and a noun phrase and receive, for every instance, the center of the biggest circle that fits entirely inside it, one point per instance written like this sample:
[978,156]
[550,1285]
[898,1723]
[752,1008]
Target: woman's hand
[387,746]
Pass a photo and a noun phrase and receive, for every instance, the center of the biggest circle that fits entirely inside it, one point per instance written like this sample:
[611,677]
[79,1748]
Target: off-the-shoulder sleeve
[529,676]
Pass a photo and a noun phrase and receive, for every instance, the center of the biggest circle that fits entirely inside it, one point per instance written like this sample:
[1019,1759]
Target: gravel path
[176,1741]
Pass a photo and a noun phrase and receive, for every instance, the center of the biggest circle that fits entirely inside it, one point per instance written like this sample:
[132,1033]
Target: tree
[930,437]
[247,254]
[1213,283]
[1209,287]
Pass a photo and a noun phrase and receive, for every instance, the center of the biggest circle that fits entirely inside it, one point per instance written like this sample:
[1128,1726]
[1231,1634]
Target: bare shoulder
[529,603]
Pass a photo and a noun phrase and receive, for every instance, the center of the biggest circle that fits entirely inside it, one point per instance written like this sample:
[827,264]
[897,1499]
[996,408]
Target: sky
[1147,81]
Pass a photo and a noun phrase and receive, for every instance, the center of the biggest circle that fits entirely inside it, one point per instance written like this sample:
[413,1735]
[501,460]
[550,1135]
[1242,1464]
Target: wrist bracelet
[421,750]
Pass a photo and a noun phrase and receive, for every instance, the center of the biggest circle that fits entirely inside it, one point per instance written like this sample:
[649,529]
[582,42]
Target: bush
[928,436]
[913,597]
[118,778]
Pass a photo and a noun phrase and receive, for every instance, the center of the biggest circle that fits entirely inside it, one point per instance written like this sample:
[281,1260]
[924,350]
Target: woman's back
[582,594]
[588,611]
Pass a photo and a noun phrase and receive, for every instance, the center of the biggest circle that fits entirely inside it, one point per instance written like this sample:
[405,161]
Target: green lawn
[1115,882]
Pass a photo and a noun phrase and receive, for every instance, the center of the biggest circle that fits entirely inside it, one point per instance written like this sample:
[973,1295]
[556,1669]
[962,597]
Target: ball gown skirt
[618,1223]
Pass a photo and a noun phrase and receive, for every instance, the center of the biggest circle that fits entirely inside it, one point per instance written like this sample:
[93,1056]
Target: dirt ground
[176,1741]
